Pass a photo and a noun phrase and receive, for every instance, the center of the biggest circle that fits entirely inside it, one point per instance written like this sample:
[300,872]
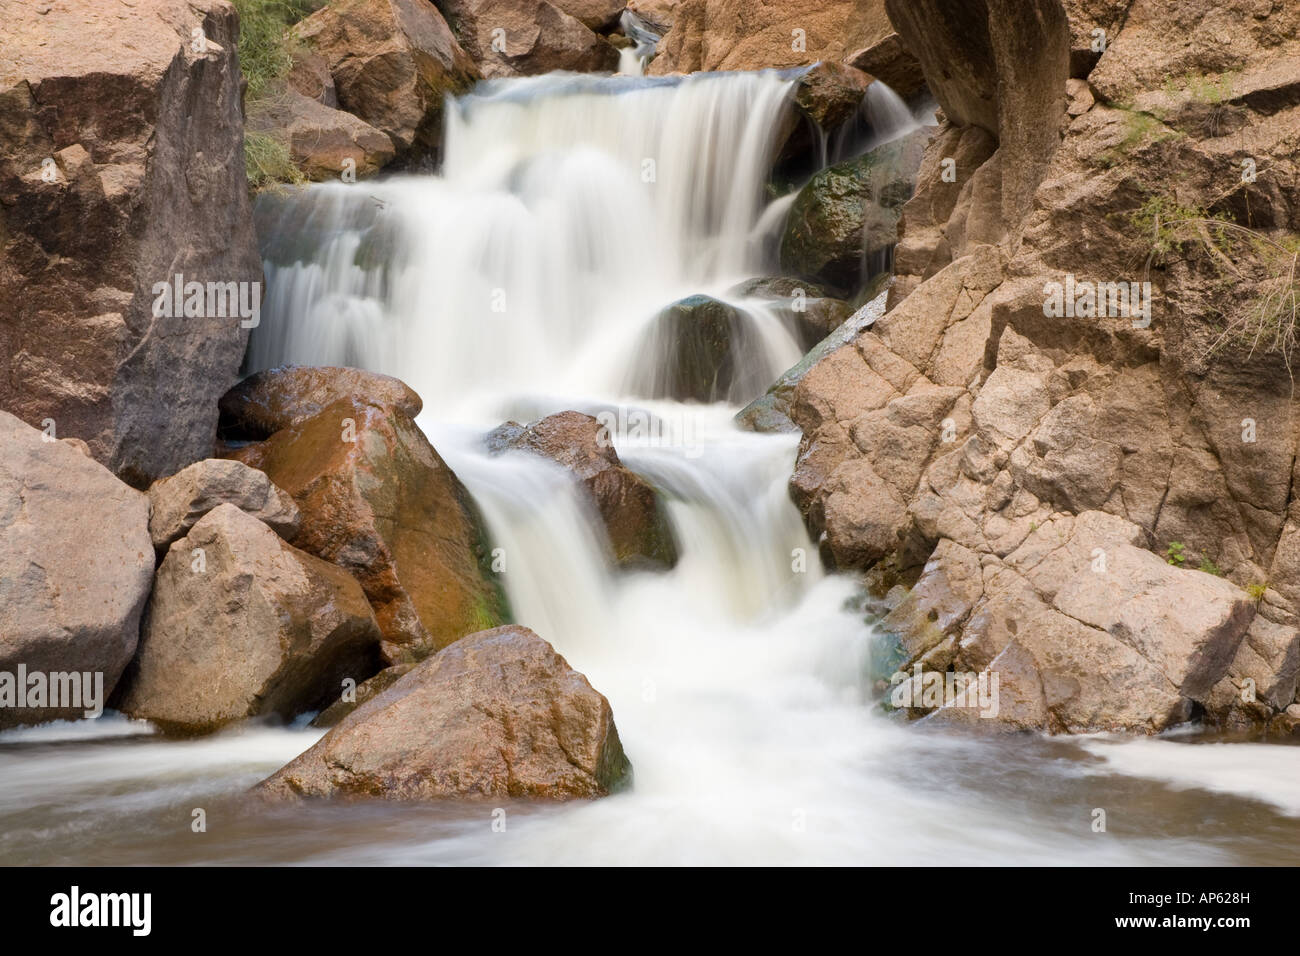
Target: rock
[241,624]
[598,15]
[290,395]
[640,533]
[121,168]
[811,312]
[309,75]
[830,93]
[393,62]
[658,14]
[367,690]
[498,714]
[180,501]
[75,567]
[772,411]
[1018,703]
[889,61]
[539,37]
[849,213]
[321,140]
[699,349]
[743,35]
[377,500]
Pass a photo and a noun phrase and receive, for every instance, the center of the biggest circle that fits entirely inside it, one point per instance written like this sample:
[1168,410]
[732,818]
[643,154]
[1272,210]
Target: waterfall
[570,211]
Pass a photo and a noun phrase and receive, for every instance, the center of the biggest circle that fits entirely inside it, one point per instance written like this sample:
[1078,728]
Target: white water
[739,681]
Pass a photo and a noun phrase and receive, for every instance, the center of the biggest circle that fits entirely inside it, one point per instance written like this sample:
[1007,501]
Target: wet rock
[830,93]
[640,534]
[848,214]
[75,566]
[497,714]
[290,395]
[393,62]
[178,502]
[120,168]
[810,310]
[699,350]
[241,624]
[377,500]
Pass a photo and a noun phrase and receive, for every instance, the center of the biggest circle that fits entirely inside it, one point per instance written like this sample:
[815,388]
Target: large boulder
[848,214]
[121,167]
[242,624]
[324,143]
[393,62]
[811,312]
[377,500]
[744,35]
[277,398]
[528,37]
[634,517]
[593,14]
[178,502]
[75,568]
[498,714]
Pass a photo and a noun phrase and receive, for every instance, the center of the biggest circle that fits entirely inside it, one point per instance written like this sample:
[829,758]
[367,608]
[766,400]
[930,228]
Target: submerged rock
[180,501]
[497,714]
[377,500]
[242,624]
[277,398]
[634,517]
[699,349]
[75,567]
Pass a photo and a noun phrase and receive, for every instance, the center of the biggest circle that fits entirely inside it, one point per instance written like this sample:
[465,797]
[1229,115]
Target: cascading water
[526,279]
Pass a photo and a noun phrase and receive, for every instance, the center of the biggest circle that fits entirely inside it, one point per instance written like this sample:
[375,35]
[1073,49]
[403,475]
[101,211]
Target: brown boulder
[121,166]
[75,567]
[593,14]
[178,502]
[744,35]
[377,500]
[527,37]
[889,61]
[277,398]
[241,624]
[323,142]
[633,514]
[498,714]
[393,62]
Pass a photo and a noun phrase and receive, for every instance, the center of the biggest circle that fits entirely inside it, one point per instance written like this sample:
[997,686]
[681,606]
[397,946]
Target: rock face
[744,35]
[1046,471]
[640,534]
[377,500]
[178,502]
[121,168]
[75,566]
[847,216]
[497,714]
[241,624]
[527,37]
[323,142]
[392,63]
[290,395]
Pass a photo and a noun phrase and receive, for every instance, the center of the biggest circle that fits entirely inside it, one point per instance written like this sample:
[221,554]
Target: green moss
[265,46]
